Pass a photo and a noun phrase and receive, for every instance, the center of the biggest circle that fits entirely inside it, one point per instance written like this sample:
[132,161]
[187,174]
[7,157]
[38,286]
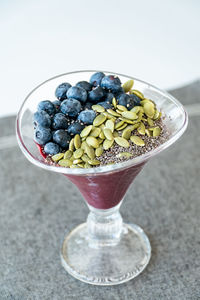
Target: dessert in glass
[81,137]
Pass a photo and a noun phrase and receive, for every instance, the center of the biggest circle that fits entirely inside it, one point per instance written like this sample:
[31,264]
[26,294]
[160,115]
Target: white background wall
[157,41]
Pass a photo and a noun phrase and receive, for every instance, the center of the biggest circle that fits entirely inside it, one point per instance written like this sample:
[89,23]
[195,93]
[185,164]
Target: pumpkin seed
[71,145]
[108,134]
[122,108]
[126,134]
[98,108]
[77,161]
[92,141]
[119,124]
[114,102]
[133,127]
[94,162]
[156,115]
[148,132]
[90,151]
[112,112]
[115,134]
[137,140]
[156,131]
[110,124]
[122,142]
[86,165]
[146,101]
[74,166]
[100,140]
[72,158]
[102,136]
[99,151]
[86,131]
[99,120]
[137,93]
[107,144]
[130,115]
[77,141]
[85,158]
[95,132]
[122,127]
[78,153]
[149,109]
[83,145]
[119,111]
[67,154]
[124,154]
[150,122]
[141,129]
[57,157]
[81,165]
[135,109]
[65,163]
[127,86]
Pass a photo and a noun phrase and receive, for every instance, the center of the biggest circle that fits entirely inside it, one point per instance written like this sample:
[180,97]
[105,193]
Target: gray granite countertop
[37,208]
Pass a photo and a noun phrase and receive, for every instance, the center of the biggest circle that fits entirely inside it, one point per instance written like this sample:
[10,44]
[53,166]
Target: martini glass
[104,250]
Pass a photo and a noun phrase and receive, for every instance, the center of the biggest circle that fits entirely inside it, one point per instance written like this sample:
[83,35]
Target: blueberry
[62,138]
[51,148]
[60,121]
[136,99]
[118,92]
[109,97]
[70,107]
[111,82]
[42,118]
[88,105]
[57,104]
[77,93]
[96,78]
[126,100]
[62,90]
[47,106]
[85,85]
[42,135]
[87,116]
[96,94]
[75,128]
[105,104]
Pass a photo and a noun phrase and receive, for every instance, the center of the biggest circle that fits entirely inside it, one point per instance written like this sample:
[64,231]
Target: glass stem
[104,226]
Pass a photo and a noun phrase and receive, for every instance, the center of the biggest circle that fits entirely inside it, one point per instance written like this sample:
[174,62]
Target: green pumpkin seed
[102,136]
[124,154]
[92,141]
[99,120]
[114,102]
[71,145]
[94,162]
[65,163]
[119,111]
[148,132]
[57,157]
[156,131]
[74,166]
[107,144]
[72,158]
[144,101]
[119,124]
[112,112]
[115,134]
[127,86]
[95,132]
[126,134]
[141,129]
[137,140]
[135,109]
[85,158]
[156,115]
[122,127]
[78,153]
[83,145]
[77,141]
[98,108]
[77,161]
[149,109]
[67,154]
[110,124]
[130,115]
[86,165]
[150,122]
[122,142]
[137,93]
[81,165]
[86,131]
[133,127]
[100,140]
[99,151]
[122,108]
[90,152]
[108,134]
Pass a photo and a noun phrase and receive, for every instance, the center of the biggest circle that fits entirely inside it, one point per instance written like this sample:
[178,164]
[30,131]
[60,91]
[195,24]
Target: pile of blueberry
[58,121]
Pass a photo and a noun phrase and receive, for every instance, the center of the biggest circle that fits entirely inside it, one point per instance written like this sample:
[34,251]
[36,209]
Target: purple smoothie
[106,190]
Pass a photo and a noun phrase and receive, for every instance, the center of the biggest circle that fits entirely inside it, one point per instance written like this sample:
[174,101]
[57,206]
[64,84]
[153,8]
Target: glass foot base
[106,265]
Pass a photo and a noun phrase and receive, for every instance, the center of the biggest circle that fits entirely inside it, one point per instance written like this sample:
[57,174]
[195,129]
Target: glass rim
[107,168]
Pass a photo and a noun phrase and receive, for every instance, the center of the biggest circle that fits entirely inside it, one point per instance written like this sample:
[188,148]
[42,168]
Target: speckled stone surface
[37,208]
